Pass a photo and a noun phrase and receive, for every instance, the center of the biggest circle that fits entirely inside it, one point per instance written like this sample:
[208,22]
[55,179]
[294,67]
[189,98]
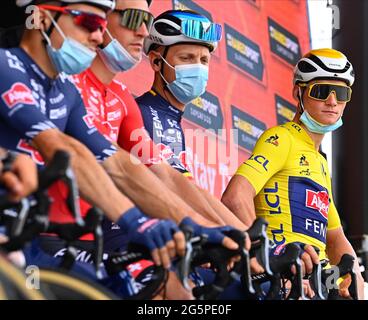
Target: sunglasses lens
[323,91]
[134,18]
[91,22]
[201,30]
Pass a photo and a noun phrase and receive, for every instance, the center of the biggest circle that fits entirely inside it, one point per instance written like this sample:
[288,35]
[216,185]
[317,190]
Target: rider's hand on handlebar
[162,237]
[309,257]
[255,267]
[214,235]
[21,179]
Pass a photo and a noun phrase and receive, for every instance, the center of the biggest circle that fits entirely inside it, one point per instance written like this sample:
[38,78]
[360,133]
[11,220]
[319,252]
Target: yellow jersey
[293,187]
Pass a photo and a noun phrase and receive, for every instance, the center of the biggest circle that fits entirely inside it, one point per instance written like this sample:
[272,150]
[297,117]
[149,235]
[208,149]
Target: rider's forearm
[186,190]
[226,215]
[146,190]
[239,199]
[94,184]
[337,245]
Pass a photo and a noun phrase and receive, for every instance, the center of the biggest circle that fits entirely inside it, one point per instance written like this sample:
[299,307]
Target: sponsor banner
[249,128]
[190,5]
[285,111]
[309,207]
[206,112]
[244,53]
[283,43]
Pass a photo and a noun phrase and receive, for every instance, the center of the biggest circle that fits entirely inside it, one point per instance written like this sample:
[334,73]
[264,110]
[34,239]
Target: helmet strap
[300,97]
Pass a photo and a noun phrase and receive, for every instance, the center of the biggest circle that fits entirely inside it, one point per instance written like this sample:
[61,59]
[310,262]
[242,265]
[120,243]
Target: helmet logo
[206,26]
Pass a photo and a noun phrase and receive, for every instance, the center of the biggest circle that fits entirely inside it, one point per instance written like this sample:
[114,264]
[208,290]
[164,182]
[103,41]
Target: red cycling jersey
[114,112]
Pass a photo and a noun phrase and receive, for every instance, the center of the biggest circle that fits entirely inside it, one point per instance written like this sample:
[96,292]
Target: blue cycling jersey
[162,121]
[31,103]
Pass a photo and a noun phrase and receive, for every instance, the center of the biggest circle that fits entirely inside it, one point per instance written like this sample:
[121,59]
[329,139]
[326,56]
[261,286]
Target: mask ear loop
[300,100]
[46,34]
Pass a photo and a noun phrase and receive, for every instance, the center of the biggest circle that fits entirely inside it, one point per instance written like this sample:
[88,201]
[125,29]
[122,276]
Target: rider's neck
[316,137]
[100,70]
[159,87]
[32,43]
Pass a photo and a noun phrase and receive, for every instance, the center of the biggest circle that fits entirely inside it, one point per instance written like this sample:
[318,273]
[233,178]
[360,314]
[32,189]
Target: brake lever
[183,264]
[297,289]
[258,232]
[98,235]
[316,279]
[246,276]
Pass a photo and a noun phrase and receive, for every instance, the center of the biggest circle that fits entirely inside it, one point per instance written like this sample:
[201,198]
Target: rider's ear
[42,20]
[155,60]
[296,92]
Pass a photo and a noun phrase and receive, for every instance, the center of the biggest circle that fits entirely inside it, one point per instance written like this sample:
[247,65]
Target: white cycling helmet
[107,5]
[182,26]
[322,64]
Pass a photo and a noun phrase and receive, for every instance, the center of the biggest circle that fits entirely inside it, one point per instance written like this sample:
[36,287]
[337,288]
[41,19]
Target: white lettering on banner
[316,227]
[284,40]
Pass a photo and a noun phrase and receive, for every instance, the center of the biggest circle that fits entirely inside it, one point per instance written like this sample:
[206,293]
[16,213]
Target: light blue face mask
[316,127]
[191,81]
[72,57]
[116,57]
[313,125]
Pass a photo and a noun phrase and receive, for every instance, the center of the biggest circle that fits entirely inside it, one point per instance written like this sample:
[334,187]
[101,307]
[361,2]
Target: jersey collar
[164,105]
[96,82]
[299,132]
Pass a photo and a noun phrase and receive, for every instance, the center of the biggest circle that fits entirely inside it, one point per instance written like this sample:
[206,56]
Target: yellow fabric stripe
[73,283]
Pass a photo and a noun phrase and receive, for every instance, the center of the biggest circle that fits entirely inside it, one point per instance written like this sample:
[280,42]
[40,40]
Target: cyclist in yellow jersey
[286,180]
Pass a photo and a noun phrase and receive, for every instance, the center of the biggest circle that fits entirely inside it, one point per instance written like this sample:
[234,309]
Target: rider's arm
[239,198]
[228,216]
[134,138]
[186,190]
[267,159]
[147,191]
[336,246]
[95,186]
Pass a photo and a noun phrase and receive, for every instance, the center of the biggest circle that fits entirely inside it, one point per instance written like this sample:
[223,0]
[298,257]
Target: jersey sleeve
[80,126]
[134,138]
[19,106]
[333,221]
[269,156]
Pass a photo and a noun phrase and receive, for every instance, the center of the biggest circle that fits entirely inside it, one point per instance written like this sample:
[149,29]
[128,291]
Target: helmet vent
[166,30]
[306,67]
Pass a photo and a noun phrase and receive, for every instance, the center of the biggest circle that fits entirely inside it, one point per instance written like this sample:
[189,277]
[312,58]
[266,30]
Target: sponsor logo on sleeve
[273,140]
[19,93]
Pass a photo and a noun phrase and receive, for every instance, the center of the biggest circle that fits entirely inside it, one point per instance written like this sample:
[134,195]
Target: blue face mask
[116,57]
[316,127]
[191,81]
[72,57]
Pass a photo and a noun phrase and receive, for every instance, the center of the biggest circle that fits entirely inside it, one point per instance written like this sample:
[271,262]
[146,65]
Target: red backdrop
[250,81]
